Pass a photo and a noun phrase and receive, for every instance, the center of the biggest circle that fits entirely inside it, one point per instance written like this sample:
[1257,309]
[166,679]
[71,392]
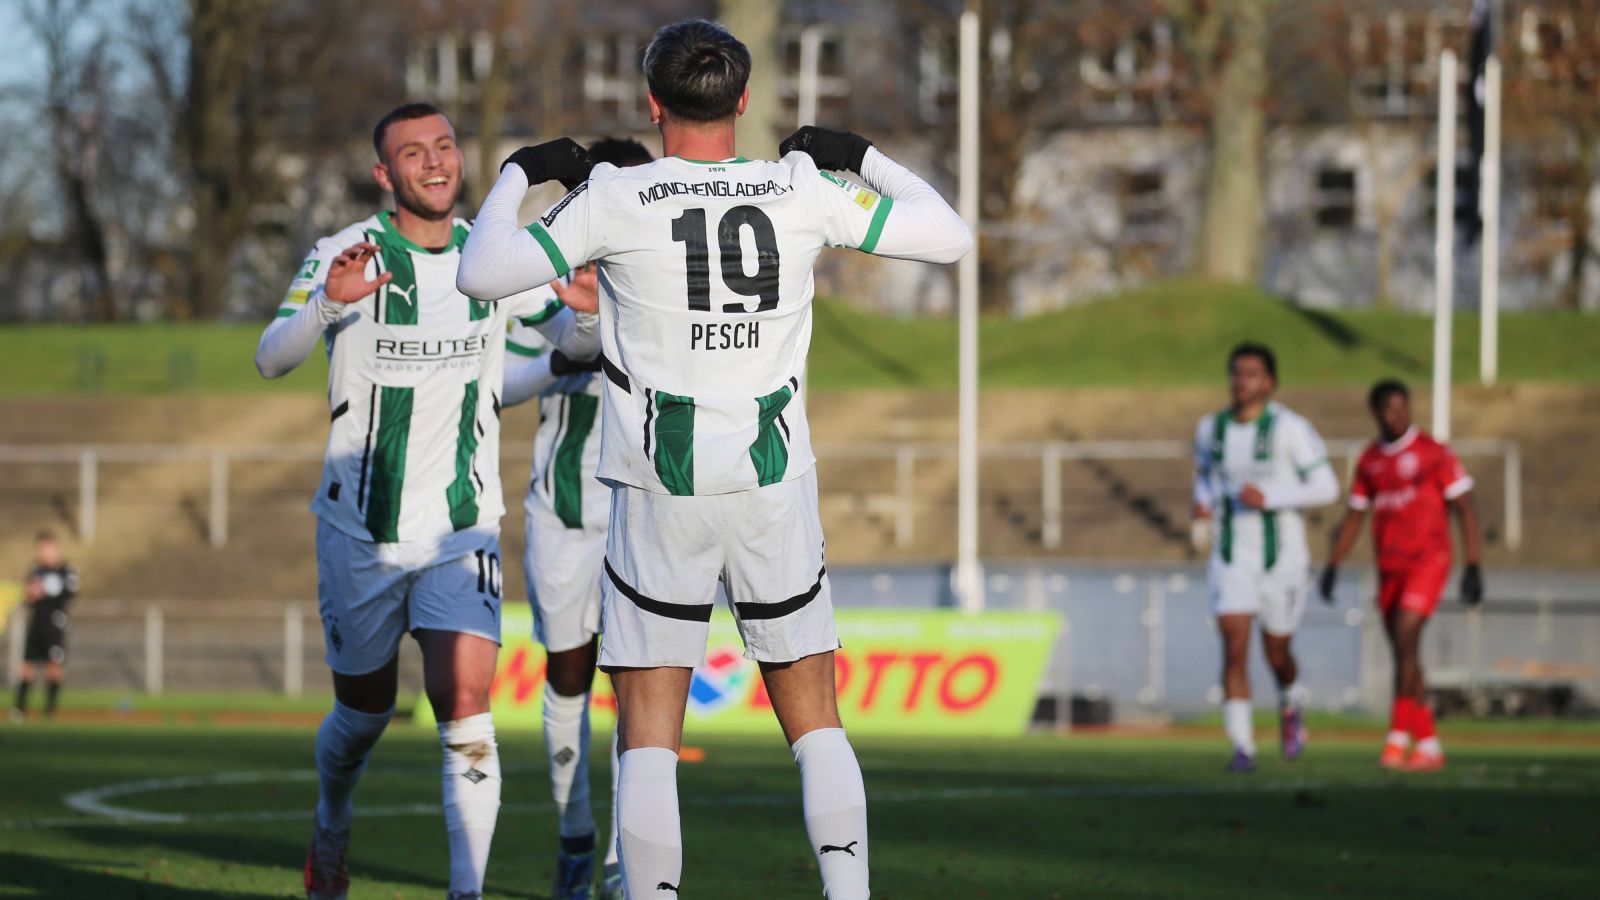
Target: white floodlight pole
[1489,194]
[969,573]
[810,63]
[1444,222]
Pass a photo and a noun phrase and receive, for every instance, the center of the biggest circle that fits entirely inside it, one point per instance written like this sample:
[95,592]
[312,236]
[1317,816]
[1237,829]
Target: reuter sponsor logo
[393,355]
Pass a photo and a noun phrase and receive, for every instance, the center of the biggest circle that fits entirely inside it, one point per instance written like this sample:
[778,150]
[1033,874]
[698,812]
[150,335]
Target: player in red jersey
[1410,482]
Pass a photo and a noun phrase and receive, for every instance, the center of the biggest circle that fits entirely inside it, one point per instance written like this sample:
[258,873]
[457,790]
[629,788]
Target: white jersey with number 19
[706,270]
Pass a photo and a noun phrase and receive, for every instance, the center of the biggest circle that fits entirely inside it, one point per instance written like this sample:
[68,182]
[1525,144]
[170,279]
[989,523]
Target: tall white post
[88,494]
[154,650]
[968,574]
[294,654]
[1444,227]
[219,498]
[810,66]
[1489,197]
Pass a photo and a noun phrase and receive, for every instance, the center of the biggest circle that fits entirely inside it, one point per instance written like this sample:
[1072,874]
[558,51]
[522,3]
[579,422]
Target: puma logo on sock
[663,886]
[829,848]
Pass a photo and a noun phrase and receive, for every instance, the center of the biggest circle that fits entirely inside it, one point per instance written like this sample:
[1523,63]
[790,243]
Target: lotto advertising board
[900,672]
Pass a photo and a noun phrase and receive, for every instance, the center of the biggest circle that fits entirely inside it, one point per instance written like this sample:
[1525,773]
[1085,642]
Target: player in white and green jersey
[565,528]
[705,266]
[1257,464]
[409,505]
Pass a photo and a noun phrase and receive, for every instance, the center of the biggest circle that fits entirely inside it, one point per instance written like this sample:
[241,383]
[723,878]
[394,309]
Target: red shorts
[1414,589]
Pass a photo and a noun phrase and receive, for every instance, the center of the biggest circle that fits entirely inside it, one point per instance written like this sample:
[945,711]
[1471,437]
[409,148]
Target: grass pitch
[1172,333]
[179,810]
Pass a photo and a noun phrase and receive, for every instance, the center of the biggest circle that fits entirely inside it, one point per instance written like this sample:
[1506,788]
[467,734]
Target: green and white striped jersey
[566,449]
[1280,453]
[414,383]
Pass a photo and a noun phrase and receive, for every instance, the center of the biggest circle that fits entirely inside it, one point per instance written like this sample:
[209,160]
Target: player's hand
[580,292]
[1252,498]
[562,364]
[836,150]
[562,159]
[1325,584]
[347,277]
[1472,585]
[35,590]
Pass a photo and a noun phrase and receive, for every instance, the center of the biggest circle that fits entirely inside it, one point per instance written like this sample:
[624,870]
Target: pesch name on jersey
[726,336]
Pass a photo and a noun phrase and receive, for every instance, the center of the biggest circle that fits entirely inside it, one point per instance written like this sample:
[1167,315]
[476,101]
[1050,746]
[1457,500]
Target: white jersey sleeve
[1314,483]
[306,313]
[898,215]
[500,258]
[1204,492]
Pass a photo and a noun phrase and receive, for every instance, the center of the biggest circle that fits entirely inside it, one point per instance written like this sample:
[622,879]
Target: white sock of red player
[344,742]
[835,802]
[649,829]
[471,797]
[1237,724]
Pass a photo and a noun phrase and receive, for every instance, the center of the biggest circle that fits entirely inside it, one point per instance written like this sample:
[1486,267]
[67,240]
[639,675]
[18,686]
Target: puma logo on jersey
[829,848]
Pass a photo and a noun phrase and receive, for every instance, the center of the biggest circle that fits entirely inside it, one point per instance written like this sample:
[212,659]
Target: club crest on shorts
[719,681]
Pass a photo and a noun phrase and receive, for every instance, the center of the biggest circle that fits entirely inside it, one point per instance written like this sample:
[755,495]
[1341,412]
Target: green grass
[1039,817]
[1170,334]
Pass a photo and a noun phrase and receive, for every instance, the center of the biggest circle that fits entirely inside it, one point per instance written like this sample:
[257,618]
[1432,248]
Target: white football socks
[616,769]
[566,742]
[648,826]
[471,797]
[344,742]
[835,802]
[1237,723]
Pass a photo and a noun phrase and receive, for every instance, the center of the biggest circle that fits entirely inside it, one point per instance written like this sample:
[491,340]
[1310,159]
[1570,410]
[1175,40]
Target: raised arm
[920,225]
[500,257]
[905,218]
[317,297]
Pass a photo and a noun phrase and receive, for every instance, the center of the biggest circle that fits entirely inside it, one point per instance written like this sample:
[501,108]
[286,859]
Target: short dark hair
[403,113]
[44,535]
[697,70]
[1259,351]
[619,151]
[1383,390]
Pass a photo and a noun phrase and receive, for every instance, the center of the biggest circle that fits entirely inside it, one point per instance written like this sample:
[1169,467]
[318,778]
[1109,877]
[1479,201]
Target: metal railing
[1051,455]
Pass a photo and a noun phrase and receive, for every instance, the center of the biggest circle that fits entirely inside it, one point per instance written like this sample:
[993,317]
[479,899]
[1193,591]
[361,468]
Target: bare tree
[1553,123]
[1226,42]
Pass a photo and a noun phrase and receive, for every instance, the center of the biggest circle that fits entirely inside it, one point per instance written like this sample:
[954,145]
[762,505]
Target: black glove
[1330,577]
[562,159]
[1472,585]
[562,364]
[836,150]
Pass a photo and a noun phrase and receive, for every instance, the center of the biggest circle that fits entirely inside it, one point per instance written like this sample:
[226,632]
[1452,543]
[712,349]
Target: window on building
[1143,203]
[1395,59]
[449,66]
[1336,198]
[1130,77]
[613,84]
[813,73]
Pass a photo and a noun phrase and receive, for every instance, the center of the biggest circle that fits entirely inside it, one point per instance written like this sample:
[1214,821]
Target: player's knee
[458,701]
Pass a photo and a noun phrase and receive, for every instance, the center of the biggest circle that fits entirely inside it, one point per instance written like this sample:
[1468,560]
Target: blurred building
[1095,150]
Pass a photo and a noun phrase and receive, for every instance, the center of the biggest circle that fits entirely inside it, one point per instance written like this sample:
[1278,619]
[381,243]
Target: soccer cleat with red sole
[1424,762]
[326,876]
[1393,756]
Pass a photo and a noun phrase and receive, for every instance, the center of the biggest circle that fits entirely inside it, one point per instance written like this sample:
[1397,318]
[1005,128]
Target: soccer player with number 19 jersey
[1410,482]
[705,267]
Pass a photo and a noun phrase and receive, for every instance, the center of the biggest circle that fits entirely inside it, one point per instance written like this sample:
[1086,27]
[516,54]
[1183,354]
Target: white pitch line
[100,814]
